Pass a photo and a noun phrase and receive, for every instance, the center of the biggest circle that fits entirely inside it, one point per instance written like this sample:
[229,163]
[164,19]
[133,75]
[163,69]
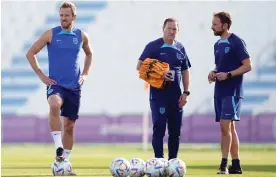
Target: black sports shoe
[235,170]
[223,171]
[59,154]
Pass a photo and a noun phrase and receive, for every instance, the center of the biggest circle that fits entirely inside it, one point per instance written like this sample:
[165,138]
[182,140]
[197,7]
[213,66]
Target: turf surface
[94,160]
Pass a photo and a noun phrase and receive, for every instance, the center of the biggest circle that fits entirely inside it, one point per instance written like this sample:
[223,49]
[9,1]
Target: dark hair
[224,17]
[169,20]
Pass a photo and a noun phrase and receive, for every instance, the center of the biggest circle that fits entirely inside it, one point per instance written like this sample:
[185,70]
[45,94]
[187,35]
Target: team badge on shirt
[179,56]
[226,50]
[75,40]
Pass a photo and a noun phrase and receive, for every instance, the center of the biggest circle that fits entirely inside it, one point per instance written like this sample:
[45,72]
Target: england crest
[75,40]
[162,110]
[226,50]
[179,56]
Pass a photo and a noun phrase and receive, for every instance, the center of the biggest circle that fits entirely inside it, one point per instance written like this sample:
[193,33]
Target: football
[154,168]
[120,167]
[176,168]
[137,167]
[61,168]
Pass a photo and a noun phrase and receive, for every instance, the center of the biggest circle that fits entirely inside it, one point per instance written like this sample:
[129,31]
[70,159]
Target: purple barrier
[104,129]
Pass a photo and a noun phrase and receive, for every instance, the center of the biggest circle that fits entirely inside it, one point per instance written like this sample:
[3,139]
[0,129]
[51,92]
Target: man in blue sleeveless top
[166,103]
[65,79]
[232,62]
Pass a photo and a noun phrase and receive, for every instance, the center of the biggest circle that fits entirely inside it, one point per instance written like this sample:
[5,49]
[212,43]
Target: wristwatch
[187,93]
[229,75]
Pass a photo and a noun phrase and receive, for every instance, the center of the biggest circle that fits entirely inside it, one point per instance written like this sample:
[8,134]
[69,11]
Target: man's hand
[82,79]
[182,100]
[221,76]
[46,80]
[212,77]
[168,76]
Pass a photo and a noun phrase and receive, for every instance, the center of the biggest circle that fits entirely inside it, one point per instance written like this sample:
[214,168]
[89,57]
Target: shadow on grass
[52,175]
[252,168]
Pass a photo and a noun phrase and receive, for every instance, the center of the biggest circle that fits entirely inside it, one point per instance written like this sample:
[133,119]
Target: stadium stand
[118,32]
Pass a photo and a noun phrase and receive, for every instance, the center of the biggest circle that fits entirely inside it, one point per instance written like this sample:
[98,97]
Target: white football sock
[66,154]
[57,138]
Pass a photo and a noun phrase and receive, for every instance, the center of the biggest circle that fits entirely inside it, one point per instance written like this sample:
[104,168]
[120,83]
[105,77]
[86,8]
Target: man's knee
[159,134]
[174,134]
[159,130]
[174,130]
[225,127]
[55,102]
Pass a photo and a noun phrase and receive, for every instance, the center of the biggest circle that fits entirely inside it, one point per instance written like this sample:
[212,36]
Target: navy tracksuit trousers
[166,113]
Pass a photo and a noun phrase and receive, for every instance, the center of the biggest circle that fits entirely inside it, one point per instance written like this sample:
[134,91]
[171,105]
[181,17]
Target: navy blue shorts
[71,100]
[227,108]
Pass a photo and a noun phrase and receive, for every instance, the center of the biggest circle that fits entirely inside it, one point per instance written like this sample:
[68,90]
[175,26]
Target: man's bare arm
[88,54]
[44,39]
[244,68]
[186,79]
[35,48]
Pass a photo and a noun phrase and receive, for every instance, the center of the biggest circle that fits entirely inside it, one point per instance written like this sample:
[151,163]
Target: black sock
[236,163]
[223,163]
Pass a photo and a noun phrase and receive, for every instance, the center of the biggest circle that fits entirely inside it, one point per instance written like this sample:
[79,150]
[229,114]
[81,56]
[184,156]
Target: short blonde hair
[69,5]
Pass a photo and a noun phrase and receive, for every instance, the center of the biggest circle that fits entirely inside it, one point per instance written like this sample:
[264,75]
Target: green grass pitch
[202,160]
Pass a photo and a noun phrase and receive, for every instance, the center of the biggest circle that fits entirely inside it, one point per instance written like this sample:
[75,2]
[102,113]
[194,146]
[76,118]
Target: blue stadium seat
[259,84]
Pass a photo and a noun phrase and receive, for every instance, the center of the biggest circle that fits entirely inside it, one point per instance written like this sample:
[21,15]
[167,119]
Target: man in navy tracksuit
[166,103]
